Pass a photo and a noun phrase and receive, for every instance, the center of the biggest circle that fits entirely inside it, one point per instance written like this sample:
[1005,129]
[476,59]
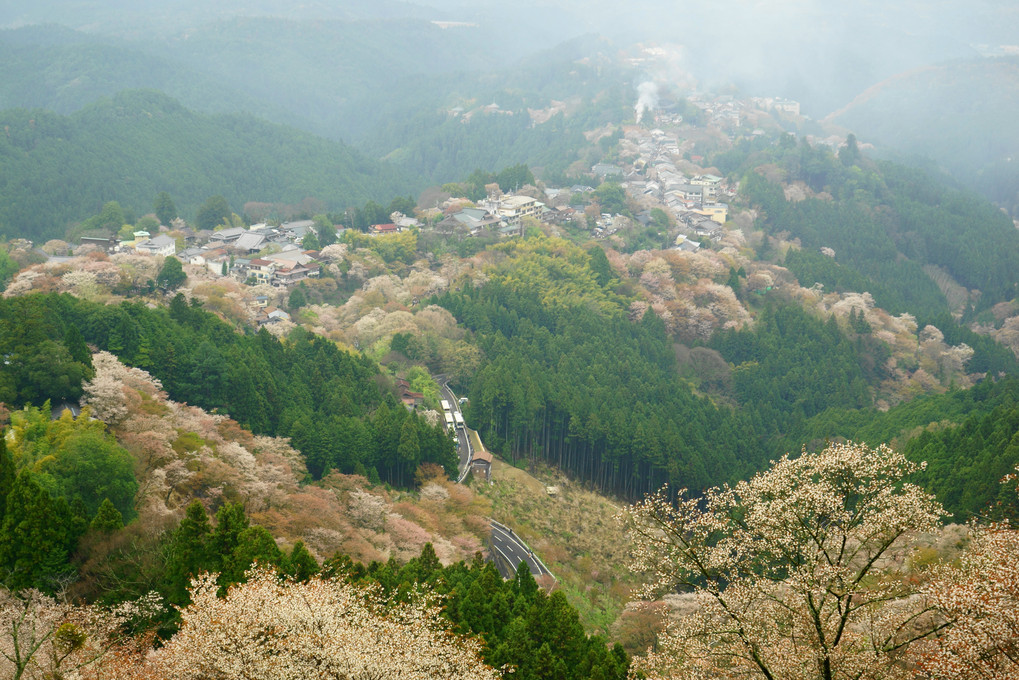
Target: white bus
[445,405]
[450,423]
[458,417]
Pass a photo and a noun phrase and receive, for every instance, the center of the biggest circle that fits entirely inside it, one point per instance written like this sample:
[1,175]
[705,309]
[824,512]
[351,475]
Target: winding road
[507,549]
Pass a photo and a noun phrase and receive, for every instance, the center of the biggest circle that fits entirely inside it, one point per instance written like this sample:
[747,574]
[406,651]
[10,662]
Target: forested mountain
[100,515]
[885,223]
[828,53]
[340,75]
[452,128]
[331,78]
[837,298]
[60,170]
[568,377]
[54,68]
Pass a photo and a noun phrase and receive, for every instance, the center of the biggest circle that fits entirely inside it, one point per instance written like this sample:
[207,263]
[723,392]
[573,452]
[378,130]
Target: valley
[547,353]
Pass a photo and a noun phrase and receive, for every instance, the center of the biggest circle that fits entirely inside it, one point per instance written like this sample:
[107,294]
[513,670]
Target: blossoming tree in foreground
[44,637]
[796,573]
[278,629]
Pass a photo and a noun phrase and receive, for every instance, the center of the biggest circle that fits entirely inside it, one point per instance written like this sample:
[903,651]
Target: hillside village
[658,164]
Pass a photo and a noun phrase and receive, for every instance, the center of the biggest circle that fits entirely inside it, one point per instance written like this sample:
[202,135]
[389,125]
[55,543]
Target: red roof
[384,227]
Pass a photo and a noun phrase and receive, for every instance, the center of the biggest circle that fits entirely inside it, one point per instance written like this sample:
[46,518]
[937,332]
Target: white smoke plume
[647,99]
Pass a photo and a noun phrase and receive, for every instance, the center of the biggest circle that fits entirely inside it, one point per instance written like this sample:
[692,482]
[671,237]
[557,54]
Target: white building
[160,245]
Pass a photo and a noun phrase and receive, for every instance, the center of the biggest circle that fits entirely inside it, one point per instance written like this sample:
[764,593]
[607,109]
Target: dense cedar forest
[519,623]
[568,376]
[791,367]
[328,401]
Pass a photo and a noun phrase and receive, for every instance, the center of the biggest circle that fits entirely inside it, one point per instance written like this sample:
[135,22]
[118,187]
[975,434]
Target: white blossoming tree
[796,571]
[980,599]
[978,596]
[274,629]
[42,637]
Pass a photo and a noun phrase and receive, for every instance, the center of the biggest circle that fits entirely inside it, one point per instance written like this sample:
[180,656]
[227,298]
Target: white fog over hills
[369,72]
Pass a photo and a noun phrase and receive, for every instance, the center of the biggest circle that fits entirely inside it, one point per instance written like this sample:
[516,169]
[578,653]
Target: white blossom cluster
[274,629]
[44,638]
[104,393]
[791,569]
[979,598]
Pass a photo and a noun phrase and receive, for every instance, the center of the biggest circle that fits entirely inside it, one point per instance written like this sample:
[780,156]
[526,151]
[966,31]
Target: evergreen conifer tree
[108,519]
[7,475]
[187,552]
[35,538]
[300,564]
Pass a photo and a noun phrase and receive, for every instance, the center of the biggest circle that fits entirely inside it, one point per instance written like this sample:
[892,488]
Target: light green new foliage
[74,458]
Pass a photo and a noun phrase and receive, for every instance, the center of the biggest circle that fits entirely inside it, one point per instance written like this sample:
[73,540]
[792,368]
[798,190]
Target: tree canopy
[171,275]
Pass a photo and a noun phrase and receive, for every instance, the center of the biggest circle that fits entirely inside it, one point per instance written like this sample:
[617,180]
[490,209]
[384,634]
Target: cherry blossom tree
[979,598]
[43,637]
[797,571]
[278,629]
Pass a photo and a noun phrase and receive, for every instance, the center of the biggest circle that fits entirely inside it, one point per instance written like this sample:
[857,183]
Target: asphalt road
[509,550]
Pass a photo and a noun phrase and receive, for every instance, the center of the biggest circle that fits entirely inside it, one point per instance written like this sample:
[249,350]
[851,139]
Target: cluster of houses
[657,177]
[259,254]
[236,252]
[697,202]
[499,213]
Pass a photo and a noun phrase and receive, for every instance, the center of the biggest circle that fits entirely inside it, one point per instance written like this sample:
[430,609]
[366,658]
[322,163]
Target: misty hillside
[340,79]
[125,17]
[60,70]
[338,74]
[331,79]
[62,169]
[336,63]
[326,78]
[960,114]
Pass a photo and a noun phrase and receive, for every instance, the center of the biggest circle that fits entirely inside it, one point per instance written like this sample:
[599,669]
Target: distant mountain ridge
[330,77]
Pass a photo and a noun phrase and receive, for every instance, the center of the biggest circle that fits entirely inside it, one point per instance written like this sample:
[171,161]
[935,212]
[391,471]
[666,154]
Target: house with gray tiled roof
[249,242]
[227,235]
[160,245]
